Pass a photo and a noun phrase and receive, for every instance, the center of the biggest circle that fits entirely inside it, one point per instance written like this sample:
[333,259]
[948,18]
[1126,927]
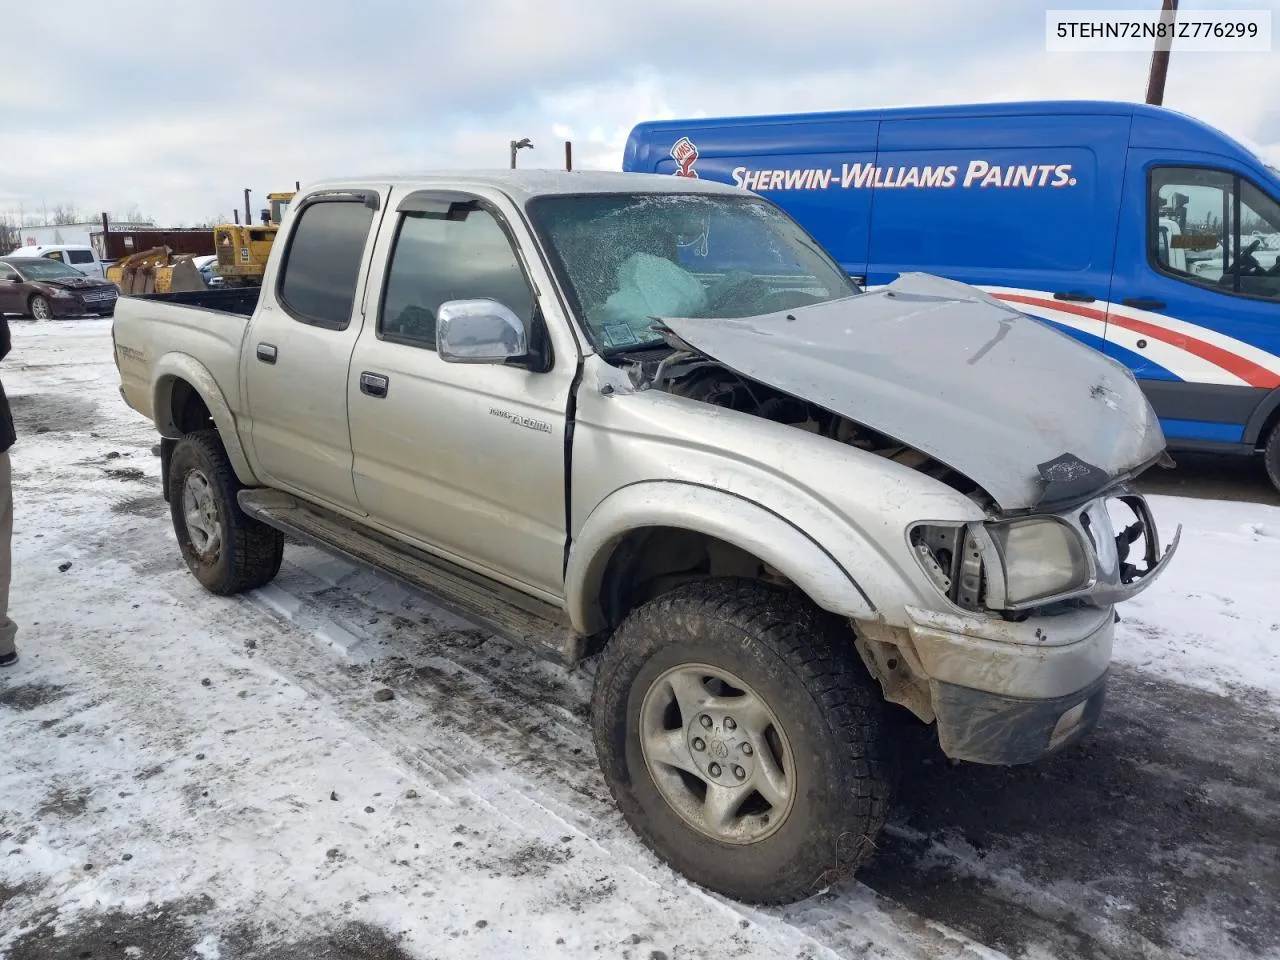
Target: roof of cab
[523,185]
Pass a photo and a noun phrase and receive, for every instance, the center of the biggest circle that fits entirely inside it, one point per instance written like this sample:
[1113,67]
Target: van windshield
[627,259]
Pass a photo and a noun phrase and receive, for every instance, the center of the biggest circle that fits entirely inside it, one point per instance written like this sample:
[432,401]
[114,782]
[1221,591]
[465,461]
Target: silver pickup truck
[648,421]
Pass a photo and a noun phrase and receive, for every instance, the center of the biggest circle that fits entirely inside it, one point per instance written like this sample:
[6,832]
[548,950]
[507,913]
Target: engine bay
[688,374]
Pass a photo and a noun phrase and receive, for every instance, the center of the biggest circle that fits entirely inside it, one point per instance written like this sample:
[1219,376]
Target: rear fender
[166,373]
[715,513]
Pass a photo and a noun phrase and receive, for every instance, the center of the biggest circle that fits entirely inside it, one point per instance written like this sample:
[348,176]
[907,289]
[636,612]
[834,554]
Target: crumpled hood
[960,376]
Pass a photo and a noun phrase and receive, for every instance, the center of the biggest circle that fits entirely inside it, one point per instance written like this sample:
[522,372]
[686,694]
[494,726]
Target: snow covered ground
[186,776]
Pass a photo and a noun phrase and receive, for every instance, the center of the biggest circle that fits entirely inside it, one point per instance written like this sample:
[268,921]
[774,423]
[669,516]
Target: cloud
[178,109]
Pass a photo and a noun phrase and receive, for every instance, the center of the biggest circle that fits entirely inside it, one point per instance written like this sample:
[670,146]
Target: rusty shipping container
[197,241]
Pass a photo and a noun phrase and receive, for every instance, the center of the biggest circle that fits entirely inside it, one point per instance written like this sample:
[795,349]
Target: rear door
[85,262]
[1195,305]
[298,347]
[11,290]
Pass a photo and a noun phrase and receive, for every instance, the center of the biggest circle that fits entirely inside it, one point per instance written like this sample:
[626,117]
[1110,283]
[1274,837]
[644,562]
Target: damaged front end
[1061,531]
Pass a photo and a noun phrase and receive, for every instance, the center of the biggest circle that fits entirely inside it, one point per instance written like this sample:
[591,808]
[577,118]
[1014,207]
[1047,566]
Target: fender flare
[726,516]
[173,367]
[1263,412]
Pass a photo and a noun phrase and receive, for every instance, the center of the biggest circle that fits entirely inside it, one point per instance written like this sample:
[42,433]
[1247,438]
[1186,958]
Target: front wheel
[225,549]
[39,308]
[743,740]
[1271,455]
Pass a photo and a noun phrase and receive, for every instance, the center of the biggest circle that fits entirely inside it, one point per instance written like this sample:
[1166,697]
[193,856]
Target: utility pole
[519,145]
[1160,57]
[568,155]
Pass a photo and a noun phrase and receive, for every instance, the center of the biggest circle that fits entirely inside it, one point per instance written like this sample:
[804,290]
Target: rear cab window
[321,269]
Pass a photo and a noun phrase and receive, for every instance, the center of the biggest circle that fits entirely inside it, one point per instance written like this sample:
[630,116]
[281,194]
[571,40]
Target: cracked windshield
[634,258]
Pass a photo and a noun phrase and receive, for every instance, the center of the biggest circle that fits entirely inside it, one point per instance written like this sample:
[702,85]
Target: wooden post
[568,155]
[1160,58]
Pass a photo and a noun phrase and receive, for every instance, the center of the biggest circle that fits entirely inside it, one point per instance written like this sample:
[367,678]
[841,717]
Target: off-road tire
[37,304]
[802,662]
[251,551]
[1271,455]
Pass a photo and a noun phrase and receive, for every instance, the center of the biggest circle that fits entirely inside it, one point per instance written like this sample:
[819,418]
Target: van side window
[440,257]
[80,256]
[322,265]
[1213,229]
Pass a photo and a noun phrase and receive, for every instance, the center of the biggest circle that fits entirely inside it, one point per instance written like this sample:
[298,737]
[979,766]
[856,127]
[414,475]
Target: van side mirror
[479,331]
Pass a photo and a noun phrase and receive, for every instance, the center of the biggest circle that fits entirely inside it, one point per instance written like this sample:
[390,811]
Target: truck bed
[237,300]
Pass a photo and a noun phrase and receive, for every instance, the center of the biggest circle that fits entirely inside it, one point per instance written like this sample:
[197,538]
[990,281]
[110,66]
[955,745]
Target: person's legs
[8,630]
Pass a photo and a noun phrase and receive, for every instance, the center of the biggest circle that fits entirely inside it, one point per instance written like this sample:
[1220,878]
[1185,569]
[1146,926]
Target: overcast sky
[112,105]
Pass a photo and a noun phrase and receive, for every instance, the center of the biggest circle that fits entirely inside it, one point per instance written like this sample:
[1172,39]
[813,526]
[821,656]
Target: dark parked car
[44,289]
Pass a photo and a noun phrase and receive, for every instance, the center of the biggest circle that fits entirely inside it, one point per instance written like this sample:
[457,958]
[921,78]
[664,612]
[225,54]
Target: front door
[1195,303]
[467,459]
[298,350]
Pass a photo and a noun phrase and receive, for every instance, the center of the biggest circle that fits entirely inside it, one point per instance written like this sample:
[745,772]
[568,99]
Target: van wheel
[39,308]
[742,739]
[1271,455]
[225,549]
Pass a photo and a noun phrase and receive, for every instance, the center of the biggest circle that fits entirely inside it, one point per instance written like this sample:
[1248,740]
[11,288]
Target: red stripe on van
[1246,370]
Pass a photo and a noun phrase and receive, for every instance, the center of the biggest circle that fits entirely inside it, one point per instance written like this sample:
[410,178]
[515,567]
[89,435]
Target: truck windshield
[631,258]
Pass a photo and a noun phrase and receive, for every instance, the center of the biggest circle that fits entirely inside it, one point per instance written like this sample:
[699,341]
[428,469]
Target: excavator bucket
[155,271]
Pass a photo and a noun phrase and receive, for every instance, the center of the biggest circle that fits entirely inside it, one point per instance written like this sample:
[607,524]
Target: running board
[493,606]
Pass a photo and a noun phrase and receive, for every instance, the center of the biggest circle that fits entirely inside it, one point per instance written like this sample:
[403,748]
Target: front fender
[715,513]
[173,367]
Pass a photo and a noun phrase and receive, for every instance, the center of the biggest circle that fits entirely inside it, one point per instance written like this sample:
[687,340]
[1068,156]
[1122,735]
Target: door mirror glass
[479,331]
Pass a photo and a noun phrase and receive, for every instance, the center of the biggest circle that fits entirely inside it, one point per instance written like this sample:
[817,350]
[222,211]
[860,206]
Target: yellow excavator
[157,270]
[242,249]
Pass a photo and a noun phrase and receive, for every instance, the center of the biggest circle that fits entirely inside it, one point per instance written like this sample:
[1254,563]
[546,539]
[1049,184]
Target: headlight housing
[1042,558]
[1082,554]
[60,294]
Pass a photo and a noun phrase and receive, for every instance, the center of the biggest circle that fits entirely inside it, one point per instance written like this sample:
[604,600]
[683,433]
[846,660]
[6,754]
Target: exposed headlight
[60,294]
[1012,565]
[1042,557]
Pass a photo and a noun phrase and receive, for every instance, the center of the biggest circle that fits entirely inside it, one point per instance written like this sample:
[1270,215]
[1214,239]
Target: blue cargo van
[1139,230]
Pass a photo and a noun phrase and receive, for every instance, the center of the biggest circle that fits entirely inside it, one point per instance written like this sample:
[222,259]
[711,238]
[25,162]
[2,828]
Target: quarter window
[460,255]
[322,265]
[80,256]
[1216,230]
[54,255]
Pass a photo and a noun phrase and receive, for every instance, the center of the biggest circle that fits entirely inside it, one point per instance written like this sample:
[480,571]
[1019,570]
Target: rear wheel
[743,740]
[39,308]
[225,549]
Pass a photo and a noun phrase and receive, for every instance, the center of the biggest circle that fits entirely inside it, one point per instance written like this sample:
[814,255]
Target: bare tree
[10,234]
[64,213]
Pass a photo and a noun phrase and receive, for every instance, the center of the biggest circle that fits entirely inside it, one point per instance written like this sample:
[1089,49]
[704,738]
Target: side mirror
[479,331]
